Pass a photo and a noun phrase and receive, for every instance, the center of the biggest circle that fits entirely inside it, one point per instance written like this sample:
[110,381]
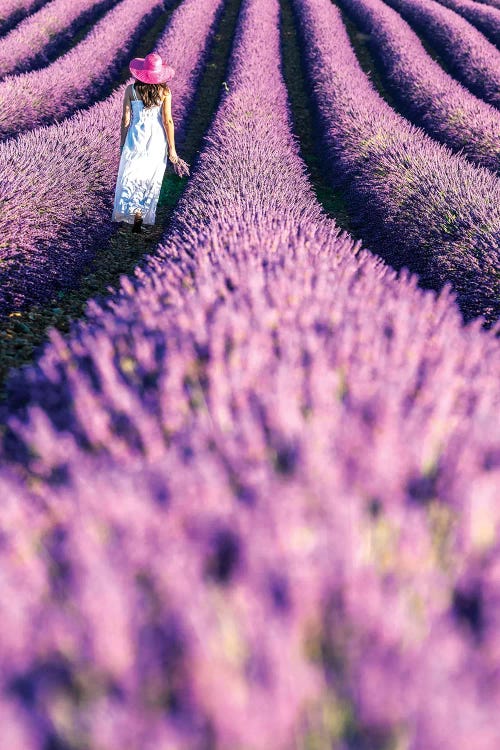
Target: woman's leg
[137,226]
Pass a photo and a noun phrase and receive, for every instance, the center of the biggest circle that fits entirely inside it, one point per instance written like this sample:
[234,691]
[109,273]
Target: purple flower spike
[260,503]
[181,168]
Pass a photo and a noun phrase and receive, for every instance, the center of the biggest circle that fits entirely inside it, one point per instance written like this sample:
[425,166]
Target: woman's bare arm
[125,116]
[168,124]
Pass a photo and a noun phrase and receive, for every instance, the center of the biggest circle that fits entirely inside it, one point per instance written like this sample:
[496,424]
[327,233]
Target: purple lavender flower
[40,35]
[416,204]
[485,19]
[472,58]
[251,504]
[432,98]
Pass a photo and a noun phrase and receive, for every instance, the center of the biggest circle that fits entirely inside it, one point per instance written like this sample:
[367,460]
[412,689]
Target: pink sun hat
[151,69]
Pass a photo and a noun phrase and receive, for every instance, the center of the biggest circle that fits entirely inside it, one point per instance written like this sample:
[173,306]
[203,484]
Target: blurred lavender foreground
[259,483]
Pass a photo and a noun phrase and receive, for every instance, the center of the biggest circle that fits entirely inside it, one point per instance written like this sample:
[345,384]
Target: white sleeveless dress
[142,164]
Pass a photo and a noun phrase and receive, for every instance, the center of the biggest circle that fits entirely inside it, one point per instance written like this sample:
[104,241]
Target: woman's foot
[137,226]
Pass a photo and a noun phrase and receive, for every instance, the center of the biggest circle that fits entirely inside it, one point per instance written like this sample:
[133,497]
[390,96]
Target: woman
[147,129]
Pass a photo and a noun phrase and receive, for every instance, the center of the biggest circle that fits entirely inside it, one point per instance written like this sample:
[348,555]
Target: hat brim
[149,76]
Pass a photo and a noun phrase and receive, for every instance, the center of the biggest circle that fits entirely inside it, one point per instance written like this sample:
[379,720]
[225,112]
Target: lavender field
[250,458]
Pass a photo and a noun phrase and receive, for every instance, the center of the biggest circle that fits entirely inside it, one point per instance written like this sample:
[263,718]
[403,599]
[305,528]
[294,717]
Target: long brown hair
[152,94]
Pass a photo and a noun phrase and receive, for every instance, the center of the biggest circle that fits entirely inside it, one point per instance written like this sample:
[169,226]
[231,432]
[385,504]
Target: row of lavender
[12,11]
[75,163]
[37,262]
[470,56]
[484,18]
[40,36]
[415,202]
[424,91]
[240,464]
[492,3]
[79,77]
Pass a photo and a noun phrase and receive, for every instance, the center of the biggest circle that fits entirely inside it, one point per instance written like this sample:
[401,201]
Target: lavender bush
[470,56]
[73,215]
[485,19]
[415,202]
[433,99]
[12,11]
[80,76]
[258,483]
[492,3]
[269,461]
[40,35]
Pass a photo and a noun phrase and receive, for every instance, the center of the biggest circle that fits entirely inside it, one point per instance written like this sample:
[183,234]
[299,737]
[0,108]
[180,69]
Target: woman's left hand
[173,157]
